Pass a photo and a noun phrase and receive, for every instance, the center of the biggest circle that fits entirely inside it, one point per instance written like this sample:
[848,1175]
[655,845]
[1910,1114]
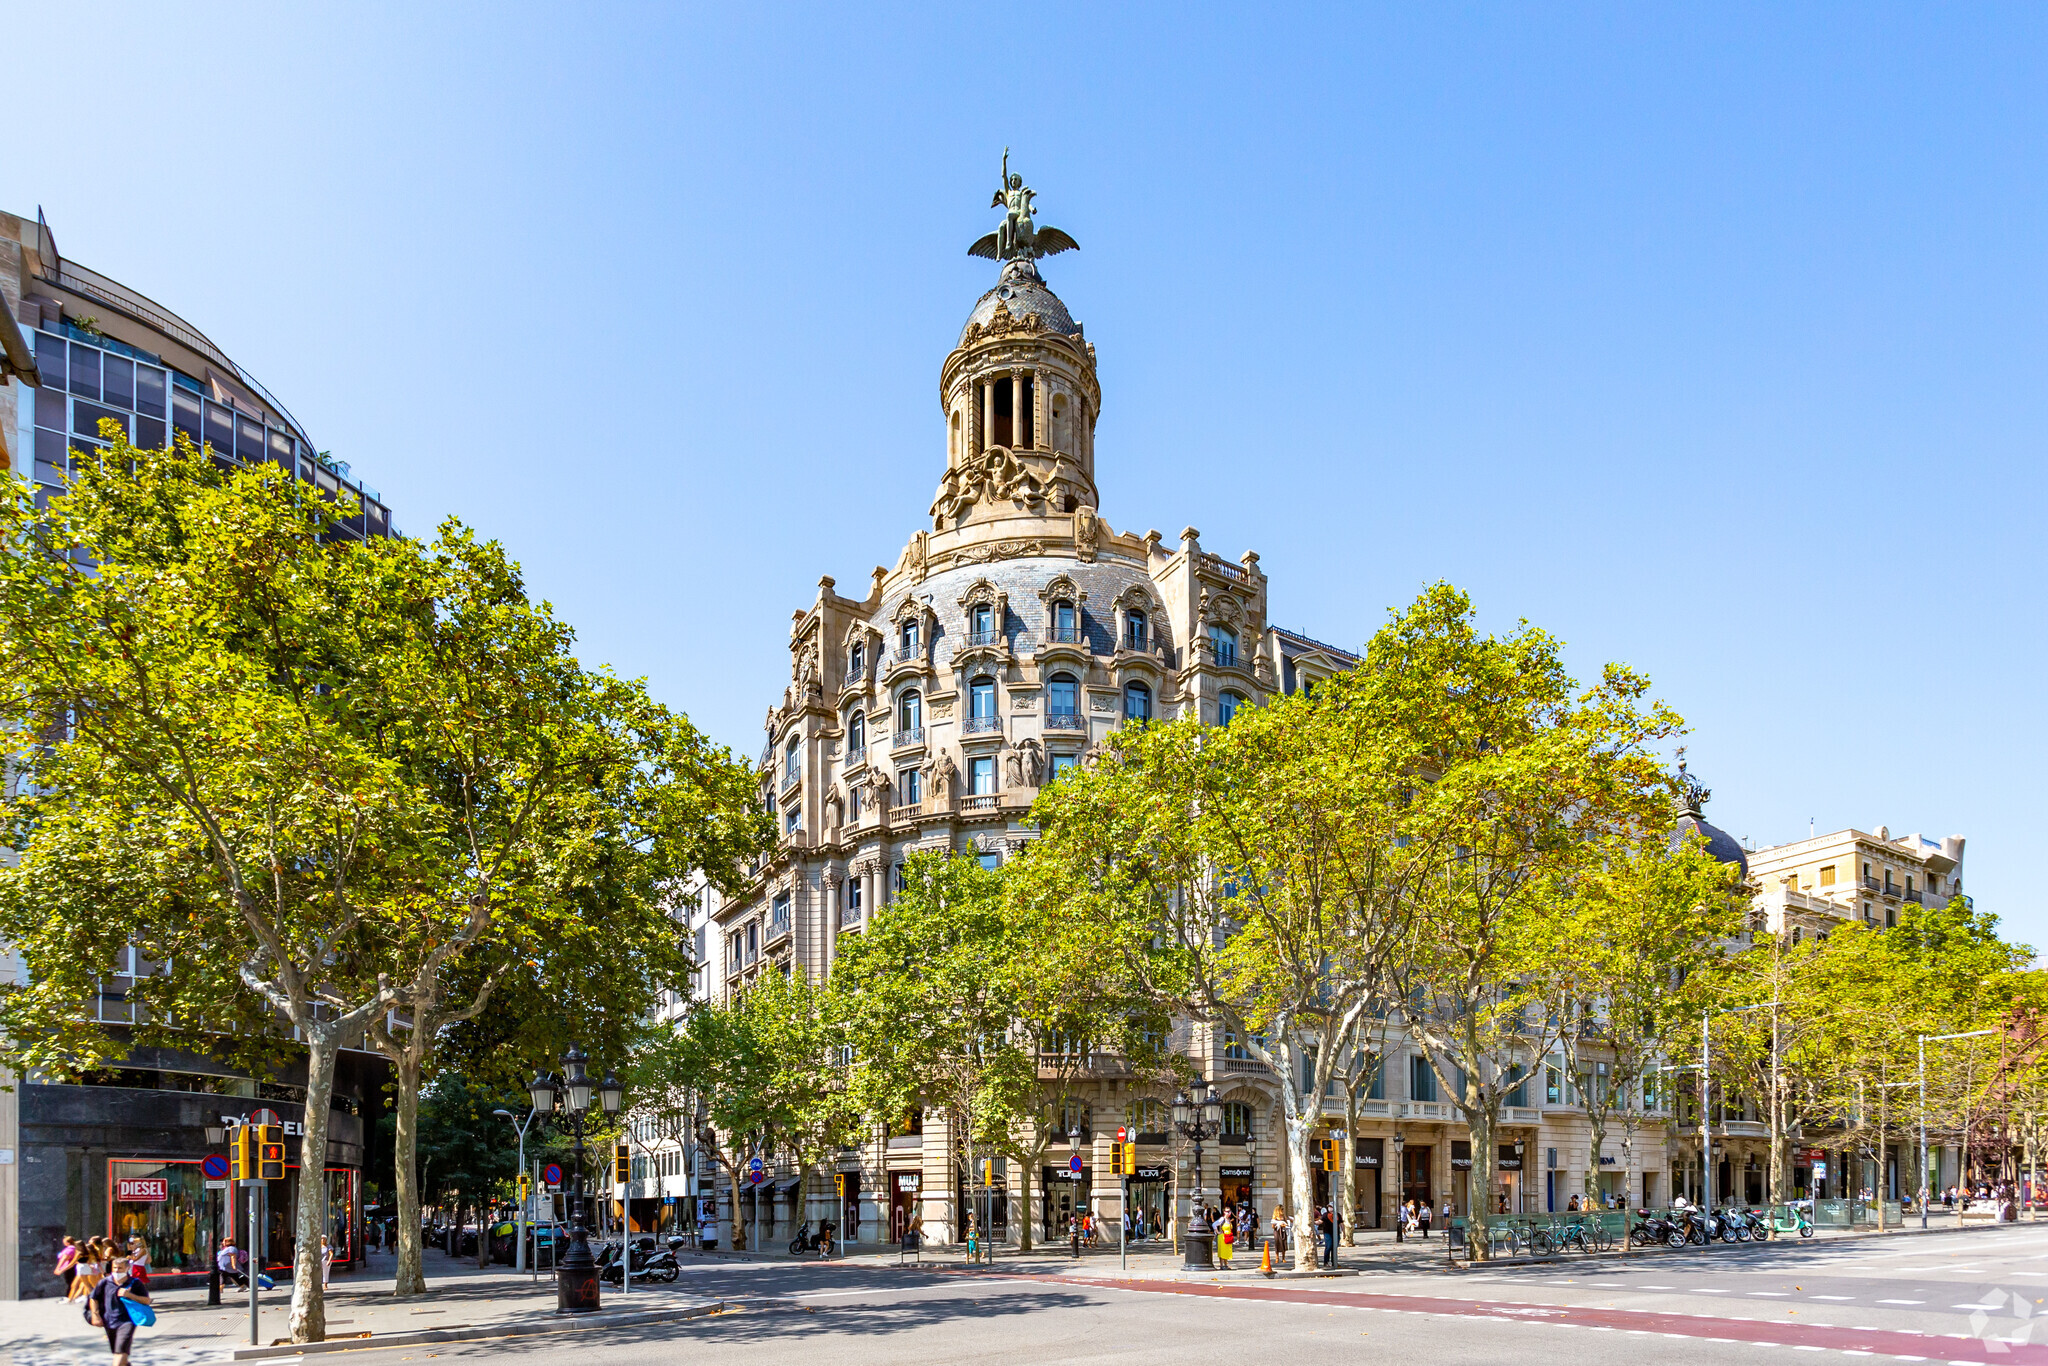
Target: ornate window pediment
[1061,589]
[1220,608]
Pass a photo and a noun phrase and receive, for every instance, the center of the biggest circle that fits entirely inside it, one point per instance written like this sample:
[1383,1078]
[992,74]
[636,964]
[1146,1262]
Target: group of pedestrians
[1412,1219]
[114,1283]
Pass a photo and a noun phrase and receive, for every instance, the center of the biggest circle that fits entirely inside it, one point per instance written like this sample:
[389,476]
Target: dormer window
[906,640]
[1066,623]
[856,663]
[981,622]
[1136,630]
[1224,640]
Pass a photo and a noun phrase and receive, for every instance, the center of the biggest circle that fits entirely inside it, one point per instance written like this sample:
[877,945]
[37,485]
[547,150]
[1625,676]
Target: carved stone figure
[835,810]
[1033,761]
[940,776]
[1087,532]
[881,789]
[1013,769]
[914,557]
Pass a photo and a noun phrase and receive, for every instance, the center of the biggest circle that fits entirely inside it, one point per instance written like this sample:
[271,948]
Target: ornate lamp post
[576,1273]
[1198,1116]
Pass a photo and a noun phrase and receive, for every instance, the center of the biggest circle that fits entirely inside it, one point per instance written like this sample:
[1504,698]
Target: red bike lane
[1697,1328]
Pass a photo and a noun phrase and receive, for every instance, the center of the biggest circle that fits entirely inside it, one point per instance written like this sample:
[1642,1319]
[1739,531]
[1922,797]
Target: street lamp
[519,1224]
[1926,1039]
[576,1274]
[1198,1116]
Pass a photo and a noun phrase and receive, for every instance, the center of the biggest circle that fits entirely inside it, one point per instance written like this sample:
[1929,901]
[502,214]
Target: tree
[1519,781]
[308,775]
[1634,927]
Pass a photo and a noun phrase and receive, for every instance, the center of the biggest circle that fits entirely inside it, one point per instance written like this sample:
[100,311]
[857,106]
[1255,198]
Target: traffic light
[1329,1154]
[1116,1155]
[988,1172]
[269,1152]
[242,1153]
[622,1164]
[839,1185]
[1129,1166]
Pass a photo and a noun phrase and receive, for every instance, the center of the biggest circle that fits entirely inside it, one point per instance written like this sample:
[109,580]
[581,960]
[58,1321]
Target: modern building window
[981,620]
[1066,623]
[1063,696]
[856,733]
[1135,630]
[910,711]
[1137,702]
[1225,642]
[1827,875]
[1421,1078]
[981,699]
[1227,707]
[909,787]
[981,776]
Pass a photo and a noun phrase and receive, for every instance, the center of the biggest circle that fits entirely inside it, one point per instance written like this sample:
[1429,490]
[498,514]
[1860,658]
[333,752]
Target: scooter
[1693,1229]
[1652,1229]
[1734,1226]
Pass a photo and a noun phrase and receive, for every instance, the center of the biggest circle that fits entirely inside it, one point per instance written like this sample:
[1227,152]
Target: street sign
[552,1173]
[265,1116]
[218,1185]
[1123,1134]
[1074,1164]
[214,1167]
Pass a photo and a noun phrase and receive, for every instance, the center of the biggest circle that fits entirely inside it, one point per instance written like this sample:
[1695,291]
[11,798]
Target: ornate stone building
[1016,628]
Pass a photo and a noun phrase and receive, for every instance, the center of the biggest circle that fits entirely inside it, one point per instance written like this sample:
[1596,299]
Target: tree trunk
[309,1301]
[1024,1216]
[410,1276]
[1300,1126]
[1480,1121]
[739,1226]
[1348,1204]
[1597,1122]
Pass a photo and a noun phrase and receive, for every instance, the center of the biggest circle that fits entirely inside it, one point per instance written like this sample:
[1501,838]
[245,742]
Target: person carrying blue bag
[120,1304]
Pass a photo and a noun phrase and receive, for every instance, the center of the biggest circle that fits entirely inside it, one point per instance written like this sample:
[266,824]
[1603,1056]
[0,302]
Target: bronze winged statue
[1018,238]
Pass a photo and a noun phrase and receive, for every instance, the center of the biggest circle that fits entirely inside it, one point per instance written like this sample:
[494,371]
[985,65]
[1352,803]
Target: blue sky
[1710,338]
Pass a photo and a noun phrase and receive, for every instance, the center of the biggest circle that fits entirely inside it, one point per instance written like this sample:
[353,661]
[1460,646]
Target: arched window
[856,733]
[1066,623]
[953,439]
[1225,641]
[1063,696]
[1136,630]
[1137,702]
[906,640]
[981,624]
[981,699]
[856,663]
[1227,707]
[909,712]
[793,759]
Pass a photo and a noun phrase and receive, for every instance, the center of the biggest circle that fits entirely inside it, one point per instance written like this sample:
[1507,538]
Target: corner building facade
[1016,629]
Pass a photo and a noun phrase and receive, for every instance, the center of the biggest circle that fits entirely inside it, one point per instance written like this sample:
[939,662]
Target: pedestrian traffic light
[622,1164]
[242,1153]
[269,1152]
[1129,1166]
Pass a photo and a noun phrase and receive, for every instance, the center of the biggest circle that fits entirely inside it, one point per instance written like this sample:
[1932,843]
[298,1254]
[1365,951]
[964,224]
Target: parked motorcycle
[1652,1229]
[1693,1229]
[807,1240]
[649,1262]
[1734,1225]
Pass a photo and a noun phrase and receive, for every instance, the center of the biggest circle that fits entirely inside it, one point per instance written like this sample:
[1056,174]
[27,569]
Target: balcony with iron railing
[974,638]
[1065,720]
[848,916]
[981,725]
[906,653]
[778,926]
[791,771]
[906,735]
[856,673]
[1871,884]
[1915,895]
[1065,635]
[856,756]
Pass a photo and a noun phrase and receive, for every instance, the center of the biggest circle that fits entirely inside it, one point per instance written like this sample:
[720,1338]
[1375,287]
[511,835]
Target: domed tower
[1692,801]
[1019,390]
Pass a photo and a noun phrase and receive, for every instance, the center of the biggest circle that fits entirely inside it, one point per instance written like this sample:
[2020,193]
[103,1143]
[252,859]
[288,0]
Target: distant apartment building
[125,1152]
[1810,885]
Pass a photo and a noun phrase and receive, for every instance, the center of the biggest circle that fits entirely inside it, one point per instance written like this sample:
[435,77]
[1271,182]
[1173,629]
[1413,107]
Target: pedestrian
[87,1270]
[326,1261]
[1328,1229]
[230,1260]
[1422,1219]
[109,1308]
[1226,1243]
[67,1262]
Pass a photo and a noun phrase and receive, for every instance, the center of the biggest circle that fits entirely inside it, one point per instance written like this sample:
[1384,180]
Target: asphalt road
[1946,1297]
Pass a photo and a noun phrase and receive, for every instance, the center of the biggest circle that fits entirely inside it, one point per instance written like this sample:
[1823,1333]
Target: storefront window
[165,1203]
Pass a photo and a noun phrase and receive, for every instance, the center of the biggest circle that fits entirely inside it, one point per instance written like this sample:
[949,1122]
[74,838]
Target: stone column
[987,389]
[830,939]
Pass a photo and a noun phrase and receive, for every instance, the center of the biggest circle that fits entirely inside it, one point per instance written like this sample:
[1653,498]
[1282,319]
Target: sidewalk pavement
[461,1303]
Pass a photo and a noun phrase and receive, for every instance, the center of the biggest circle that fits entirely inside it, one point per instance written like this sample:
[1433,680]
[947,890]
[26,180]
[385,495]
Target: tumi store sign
[142,1188]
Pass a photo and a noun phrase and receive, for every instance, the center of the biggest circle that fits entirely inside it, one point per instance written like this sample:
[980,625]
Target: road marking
[1831,1297]
[1771,1294]
[1902,1301]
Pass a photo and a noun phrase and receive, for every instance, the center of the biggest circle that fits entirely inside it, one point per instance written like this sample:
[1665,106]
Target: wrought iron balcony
[907,735]
[856,673]
[856,756]
[1871,884]
[849,915]
[1065,720]
[976,725]
[1064,635]
[906,653]
[1914,894]
[984,638]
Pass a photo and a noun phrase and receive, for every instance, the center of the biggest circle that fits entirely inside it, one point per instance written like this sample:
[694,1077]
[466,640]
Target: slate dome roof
[1692,797]
[1022,290]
